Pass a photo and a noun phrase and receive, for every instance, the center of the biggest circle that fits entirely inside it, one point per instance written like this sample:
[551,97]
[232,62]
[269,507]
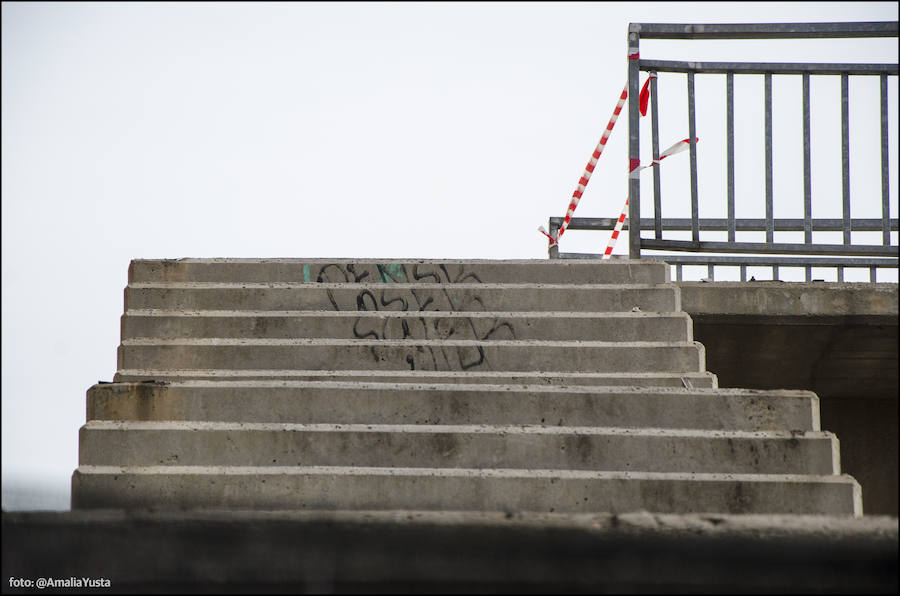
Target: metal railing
[769,253]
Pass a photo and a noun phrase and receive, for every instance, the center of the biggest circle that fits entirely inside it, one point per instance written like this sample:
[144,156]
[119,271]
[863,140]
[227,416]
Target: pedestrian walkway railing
[647,235]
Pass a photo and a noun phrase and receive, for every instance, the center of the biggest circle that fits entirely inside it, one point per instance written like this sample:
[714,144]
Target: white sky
[432,130]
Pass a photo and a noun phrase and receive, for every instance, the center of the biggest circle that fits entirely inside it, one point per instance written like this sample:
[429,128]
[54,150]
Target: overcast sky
[168,130]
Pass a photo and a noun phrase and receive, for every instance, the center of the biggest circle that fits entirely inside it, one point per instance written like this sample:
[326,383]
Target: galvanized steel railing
[774,254]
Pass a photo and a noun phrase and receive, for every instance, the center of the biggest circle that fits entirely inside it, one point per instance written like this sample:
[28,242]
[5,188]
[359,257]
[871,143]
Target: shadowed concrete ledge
[404,551]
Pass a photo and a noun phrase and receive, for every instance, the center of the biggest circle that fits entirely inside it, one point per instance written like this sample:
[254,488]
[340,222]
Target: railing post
[553,250]
[634,184]
[692,135]
[654,142]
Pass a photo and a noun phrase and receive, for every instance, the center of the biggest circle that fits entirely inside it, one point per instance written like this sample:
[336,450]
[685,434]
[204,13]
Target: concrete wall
[839,340]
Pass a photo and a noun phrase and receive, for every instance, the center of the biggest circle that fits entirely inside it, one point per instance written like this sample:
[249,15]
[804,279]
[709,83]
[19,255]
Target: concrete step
[626,326]
[460,489]
[361,354]
[551,378]
[311,402]
[595,271]
[193,443]
[462,297]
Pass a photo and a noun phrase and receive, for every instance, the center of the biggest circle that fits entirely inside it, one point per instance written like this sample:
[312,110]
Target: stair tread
[500,429]
[461,472]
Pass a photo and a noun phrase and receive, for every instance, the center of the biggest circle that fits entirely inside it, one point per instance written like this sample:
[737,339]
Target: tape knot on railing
[635,164]
[645,94]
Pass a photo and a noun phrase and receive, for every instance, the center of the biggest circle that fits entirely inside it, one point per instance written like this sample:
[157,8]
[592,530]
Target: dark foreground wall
[839,340]
[440,552]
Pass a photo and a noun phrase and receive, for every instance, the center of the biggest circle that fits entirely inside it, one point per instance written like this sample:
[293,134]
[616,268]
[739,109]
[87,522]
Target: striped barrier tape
[635,173]
[598,151]
[588,170]
[682,145]
[616,230]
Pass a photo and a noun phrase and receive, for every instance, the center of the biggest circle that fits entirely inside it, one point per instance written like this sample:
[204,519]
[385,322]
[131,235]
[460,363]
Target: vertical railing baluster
[807,176]
[770,225]
[775,273]
[678,272]
[807,173]
[872,274]
[729,126]
[743,273]
[654,139]
[885,188]
[692,134]
[634,146]
[840,273]
[845,153]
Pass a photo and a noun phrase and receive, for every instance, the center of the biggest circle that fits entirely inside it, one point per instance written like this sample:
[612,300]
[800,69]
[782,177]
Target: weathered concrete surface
[566,491]
[402,297]
[390,403]
[361,354]
[626,326]
[837,339]
[195,443]
[511,468]
[549,378]
[398,271]
[774,299]
[426,552]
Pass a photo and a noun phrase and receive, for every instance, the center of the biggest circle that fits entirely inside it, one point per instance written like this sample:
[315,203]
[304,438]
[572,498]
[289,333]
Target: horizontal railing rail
[740,225]
[764,30]
[768,68]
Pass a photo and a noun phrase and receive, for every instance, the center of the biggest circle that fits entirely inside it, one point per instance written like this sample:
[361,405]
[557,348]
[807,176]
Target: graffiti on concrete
[415,300]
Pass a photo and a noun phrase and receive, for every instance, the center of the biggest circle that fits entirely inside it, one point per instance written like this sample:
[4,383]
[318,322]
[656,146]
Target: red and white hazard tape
[598,151]
[588,170]
[636,167]
[682,145]
[616,230]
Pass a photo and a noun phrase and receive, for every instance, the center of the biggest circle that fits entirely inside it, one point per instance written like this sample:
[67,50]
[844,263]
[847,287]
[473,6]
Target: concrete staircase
[517,386]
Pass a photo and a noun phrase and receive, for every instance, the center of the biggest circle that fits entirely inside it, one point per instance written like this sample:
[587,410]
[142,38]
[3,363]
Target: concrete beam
[790,299]
[263,444]
[697,380]
[626,326]
[461,552]
[362,354]
[179,552]
[306,402]
[566,491]
[595,271]
[462,297]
